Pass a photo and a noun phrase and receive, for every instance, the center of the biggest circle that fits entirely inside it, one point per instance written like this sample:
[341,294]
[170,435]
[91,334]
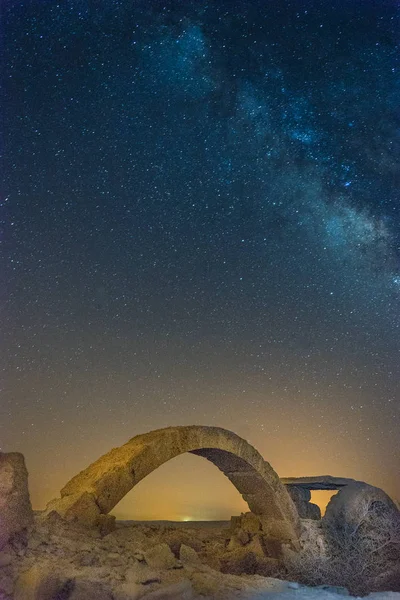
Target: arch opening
[185,488]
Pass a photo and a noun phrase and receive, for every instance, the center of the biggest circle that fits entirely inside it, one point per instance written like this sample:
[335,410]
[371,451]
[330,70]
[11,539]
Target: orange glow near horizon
[321,498]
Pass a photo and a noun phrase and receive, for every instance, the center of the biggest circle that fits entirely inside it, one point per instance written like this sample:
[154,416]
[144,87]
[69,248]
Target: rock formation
[15,506]
[64,561]
[301,497]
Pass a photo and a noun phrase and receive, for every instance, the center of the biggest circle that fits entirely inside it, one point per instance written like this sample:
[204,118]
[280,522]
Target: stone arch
[94,492]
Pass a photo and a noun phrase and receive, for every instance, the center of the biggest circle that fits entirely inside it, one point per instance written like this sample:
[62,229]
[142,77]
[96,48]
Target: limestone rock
[40,583]
[175,539]
[80,507]
[242,536]
[161,557]
[105,524]
[240,562]
[15,506]
[188,556]
[250,523]
[350,503]
[298,494]
[268,567]
[256,545]
[301,497]
[312,538]
[313,511]
[234,543]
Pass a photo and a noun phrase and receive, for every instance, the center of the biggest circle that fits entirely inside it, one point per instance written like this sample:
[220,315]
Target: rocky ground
[57,561]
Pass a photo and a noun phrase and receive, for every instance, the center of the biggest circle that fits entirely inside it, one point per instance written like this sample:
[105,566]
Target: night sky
[201,225]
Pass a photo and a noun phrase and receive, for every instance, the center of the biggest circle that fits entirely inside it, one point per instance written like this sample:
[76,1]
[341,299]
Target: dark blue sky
[201,224]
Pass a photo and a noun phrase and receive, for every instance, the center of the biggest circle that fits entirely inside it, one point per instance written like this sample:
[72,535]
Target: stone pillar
[15,506]
[301,497]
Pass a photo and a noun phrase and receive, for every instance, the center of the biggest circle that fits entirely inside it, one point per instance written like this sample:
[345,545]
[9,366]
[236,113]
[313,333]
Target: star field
[201,225]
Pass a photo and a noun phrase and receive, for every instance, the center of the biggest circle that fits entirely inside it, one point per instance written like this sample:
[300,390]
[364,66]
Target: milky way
[201,224]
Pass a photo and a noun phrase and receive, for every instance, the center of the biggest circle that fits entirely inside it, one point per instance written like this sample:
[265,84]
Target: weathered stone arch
[94,492]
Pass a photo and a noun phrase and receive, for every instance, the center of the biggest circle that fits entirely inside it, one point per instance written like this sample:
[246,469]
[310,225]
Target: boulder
[362,530]
[239,562]
[188,556]
[161,557]
[176,538]
[298,494]
[352,503]
[301,497]
[16,512]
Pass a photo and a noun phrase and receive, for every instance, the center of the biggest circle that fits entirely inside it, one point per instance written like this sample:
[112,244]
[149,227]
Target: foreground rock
[63,561]
[15,506]
[356,544]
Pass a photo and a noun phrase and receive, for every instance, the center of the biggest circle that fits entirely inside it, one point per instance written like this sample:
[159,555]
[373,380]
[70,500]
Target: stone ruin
[92,494]
[281,515]
[16,514]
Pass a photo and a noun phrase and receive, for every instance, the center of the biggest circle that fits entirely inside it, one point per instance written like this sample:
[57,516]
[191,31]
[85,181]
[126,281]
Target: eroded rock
[161,557]
[188,556]
[16,513]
